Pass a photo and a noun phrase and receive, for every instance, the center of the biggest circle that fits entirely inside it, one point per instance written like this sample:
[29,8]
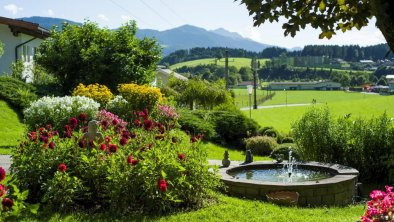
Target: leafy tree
[88,54]
[246,73]
[327,15]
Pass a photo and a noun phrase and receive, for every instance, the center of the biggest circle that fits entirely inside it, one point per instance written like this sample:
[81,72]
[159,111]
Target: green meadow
[11,128]
[339,102]
[237,62]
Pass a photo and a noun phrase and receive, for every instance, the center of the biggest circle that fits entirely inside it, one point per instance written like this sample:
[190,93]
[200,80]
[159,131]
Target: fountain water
[289,166]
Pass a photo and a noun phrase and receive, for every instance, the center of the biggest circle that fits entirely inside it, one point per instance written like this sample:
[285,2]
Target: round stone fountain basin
[336,188]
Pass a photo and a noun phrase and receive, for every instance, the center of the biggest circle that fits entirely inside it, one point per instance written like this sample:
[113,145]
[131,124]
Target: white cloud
[12,8]
[50,12]
[126,17]
[103,17]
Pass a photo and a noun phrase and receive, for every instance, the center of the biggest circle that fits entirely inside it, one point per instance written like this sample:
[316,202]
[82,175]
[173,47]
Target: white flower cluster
[118,101]
[59,109]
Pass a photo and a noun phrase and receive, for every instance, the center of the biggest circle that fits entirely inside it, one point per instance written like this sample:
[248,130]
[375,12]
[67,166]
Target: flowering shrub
[106,118]
[143,166]
[99,93]
[119,106]
[381,207]
[140,97]
[57,110]
[12,200]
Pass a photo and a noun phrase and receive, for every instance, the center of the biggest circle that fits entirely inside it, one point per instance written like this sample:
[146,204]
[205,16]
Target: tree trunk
[383,10]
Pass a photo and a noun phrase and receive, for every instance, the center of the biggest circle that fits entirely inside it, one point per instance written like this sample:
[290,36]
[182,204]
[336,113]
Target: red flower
[2,173]
[115,122]
[193,139]
[146,112]
[73,122]
[148,124]
[123,141]
[105,124]
[7,203]
[55,133]
[126,134]
[62,167]
[52,145]
[68,134]
[129,159]
[84,129]
[91,143]
[82,144]
[113,148]
[103,147]
[82,117]
[133,135]
[33,136]
[107,139]
[181,156]
[49,127]
[3,190]
[137,123]
[134,162]
[162,185]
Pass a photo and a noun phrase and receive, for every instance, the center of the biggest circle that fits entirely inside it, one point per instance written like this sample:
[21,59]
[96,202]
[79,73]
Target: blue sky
[167,14]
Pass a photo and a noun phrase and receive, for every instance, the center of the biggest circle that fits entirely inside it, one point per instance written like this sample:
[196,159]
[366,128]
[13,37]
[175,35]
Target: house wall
[25,52]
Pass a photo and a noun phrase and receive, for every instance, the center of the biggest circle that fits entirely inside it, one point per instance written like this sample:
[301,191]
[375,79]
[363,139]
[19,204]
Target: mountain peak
[226,33]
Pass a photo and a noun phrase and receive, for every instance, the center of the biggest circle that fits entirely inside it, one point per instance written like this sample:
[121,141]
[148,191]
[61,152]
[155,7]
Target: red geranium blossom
[2,173]
[73,122]
[82,117]
[52,145]
[103,147]
[3,190]
[33,136]
[113,148]
[148,124]
[7,203]
[62,167]
[162,184]
[181,156]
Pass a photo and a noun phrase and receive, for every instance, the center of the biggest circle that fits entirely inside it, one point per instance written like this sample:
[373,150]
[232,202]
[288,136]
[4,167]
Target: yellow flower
[141,96]
[98,92]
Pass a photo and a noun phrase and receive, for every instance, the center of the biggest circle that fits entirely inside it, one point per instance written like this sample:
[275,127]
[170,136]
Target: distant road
[277,106]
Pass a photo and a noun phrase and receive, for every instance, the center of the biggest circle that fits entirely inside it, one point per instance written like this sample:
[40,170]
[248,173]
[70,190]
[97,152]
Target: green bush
[283,149]
[139,168]
[261,145]
[193,123]
[287,140]
[262,130]
[366,145]
[271,133]
[233,127]
[18,93]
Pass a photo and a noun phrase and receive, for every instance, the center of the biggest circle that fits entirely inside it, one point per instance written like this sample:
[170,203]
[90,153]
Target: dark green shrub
[233,127]
[18,93]
[262,130]
[283,149]
[271,133]
[261,145]
[193,123]
[287,140]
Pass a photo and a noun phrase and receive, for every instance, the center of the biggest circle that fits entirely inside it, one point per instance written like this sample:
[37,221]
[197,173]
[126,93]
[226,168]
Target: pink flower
[162,184]
[377,194]
[62,167]
[2,174]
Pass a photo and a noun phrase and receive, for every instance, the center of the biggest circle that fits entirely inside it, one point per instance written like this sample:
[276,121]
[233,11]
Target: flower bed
[142,165]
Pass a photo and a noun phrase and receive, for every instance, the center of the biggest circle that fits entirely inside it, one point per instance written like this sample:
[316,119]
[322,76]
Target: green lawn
[339,102]
[237,62]
[228,209]
[337,70]
[11,128]
[215,152]
[242,98]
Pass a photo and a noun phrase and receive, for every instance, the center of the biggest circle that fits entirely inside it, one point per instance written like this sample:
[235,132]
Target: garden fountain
[315,183]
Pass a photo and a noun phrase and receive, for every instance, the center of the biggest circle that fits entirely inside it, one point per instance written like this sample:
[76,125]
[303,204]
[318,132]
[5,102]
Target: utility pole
[226,68]
[254,69]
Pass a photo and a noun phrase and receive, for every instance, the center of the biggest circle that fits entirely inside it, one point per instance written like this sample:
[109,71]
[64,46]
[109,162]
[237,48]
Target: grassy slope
[216,152]
[11,128]
[230,209]
[340,103]
[237,62]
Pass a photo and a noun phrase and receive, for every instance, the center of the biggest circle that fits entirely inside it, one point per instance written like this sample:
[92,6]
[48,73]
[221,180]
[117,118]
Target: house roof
[169,72]
[18,26]
[389,77]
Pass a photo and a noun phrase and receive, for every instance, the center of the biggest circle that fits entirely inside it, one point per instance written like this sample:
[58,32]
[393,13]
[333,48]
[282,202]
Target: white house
[20,40]
[390,81]
[163,74]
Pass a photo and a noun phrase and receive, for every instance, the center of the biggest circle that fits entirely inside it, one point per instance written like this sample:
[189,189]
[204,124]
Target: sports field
[340,103]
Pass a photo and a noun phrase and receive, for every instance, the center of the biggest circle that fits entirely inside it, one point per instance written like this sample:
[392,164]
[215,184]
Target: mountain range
[183,37]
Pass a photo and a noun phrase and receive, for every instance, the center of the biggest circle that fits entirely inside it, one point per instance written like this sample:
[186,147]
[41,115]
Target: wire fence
[243,100]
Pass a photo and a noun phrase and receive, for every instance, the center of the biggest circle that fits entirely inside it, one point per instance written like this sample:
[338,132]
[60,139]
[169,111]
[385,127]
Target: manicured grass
[229,209]
[340,103]
[242,97]
[237,62]
[215,152]
[11,128]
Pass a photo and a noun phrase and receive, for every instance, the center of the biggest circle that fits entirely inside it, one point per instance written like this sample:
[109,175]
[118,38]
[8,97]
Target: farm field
[340,103]
[237,62]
